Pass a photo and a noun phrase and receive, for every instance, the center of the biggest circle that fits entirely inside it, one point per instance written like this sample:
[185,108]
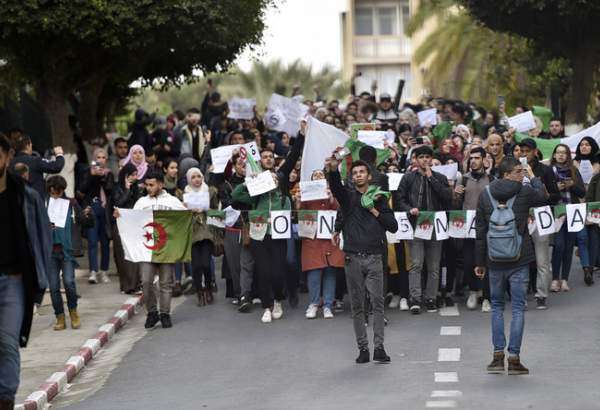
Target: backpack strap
[492,200]
[511,201]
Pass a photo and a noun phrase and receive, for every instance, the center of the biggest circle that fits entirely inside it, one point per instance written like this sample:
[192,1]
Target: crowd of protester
[171,155]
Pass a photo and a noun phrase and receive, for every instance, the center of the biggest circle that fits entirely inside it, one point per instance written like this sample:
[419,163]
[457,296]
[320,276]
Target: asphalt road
[216,358]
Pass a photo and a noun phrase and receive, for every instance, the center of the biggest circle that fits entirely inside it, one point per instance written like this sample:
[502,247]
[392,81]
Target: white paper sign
[231,216]
[284,114]
[449,170]
[260,183]
[58,209]
[394,179]
[471,223]
[576,214]
[241,108]
[221,156]
[281,224]
[522,122]
[313,190]
[440,222]
[427,118]
[544,220]
[586,170]
[424,231]
[405,229]
[375,139]
[197,200]
[326,224]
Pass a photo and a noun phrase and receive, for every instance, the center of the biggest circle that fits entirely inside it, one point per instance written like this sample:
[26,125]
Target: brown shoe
[201,297]
[515,366]
[497,364]
[177,290]
[588,277]
[209,295]
[60,322]
[75,320]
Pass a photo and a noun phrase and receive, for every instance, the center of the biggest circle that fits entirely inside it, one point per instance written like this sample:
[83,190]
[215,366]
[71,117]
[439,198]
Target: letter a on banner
[326,224]
[441,226]
[544,220]
[576,214]
[281,225]
[472,232]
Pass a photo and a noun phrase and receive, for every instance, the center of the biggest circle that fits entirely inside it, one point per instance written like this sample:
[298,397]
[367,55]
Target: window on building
[405,9]
[364,22]
[387,21]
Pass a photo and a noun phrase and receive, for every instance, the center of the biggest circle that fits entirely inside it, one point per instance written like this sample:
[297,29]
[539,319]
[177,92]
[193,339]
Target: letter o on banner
[281,225]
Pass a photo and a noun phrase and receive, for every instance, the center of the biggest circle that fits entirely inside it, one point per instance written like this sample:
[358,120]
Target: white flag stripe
[131,229]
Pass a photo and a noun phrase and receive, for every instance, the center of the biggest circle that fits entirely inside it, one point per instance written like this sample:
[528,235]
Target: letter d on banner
[326,224]
[544,220]
[281,225]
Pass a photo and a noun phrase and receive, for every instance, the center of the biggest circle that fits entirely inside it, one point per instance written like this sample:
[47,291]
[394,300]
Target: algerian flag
[593,212]
[560,215]
[364,126]
[458,224]
[546,147]
[156,236]
[259,223]
[307,224]
[321,140]
[252,167]
[215,218]
[354,146]
[424,227]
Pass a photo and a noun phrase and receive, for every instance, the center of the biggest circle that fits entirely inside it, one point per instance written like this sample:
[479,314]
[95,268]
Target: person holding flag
[156,199]
[366,218]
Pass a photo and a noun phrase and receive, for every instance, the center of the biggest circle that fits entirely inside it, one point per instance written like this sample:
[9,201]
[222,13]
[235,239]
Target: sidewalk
[48,349]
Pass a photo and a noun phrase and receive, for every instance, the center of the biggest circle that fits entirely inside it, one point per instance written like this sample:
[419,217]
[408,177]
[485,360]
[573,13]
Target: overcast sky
[305,29]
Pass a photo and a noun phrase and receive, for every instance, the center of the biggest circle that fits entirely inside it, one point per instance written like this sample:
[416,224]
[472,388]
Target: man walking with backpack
[504,247]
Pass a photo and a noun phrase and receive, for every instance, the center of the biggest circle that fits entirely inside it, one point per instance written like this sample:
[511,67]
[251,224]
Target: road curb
[55,383]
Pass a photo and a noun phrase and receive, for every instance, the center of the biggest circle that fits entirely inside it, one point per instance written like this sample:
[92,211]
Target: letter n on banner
[576,214]
[544,220]
[281,225]
[326,224]
[441,226]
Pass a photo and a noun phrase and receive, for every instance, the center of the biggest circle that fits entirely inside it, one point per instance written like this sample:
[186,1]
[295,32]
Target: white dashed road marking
[449,354]
[445,377]
[436,394]
[446,404]
[449,311]
[450,331]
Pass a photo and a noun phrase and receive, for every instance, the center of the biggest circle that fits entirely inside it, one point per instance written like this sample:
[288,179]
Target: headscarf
[127,170]
[142,166]
[188,175]
[592,156]
[103,199]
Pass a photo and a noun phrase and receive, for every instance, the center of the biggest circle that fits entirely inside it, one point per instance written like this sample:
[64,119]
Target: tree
[63,46]
[566,29]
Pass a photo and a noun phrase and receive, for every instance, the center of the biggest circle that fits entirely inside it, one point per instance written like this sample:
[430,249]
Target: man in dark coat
[26,248]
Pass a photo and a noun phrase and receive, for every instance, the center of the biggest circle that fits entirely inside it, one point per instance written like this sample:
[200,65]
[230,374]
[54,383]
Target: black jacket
[362,231]
[527,197]
[427,194]
[545,173]
[38,166]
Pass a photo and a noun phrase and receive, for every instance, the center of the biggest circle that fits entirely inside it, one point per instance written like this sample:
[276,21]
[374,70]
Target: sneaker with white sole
[472,301]
[267,316]
[277,310]
[93,279]
[486,307]
[104,277]
[327,313]
[404,304]
[311,311]
[256,301]
[395,302]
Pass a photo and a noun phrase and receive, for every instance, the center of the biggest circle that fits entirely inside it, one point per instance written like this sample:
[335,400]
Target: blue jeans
[178,271]
[562,253]
[12,309]
[582,246]
[57,264]
[518,279]
[313,277]
[98,234]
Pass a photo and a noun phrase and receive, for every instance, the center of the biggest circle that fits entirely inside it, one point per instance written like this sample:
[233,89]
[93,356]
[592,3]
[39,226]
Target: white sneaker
[266,317]
[395,302]
[486,307]
[404,304]
[104,277]
[311,311]
[277,310]
[327,313]
[256,301]
[93,279]
[472,301]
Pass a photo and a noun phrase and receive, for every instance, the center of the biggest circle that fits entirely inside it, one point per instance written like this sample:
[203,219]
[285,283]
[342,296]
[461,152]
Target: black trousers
[398,283]
[270,264]
[473,281]
[201,254]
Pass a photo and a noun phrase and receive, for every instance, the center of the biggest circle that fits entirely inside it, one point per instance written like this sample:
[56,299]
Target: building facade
[375,47]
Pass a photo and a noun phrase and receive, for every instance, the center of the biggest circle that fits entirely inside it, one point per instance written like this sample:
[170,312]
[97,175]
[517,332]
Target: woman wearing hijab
[587,150]
[125,194]
[203,237]
[137,157]
[97,186]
